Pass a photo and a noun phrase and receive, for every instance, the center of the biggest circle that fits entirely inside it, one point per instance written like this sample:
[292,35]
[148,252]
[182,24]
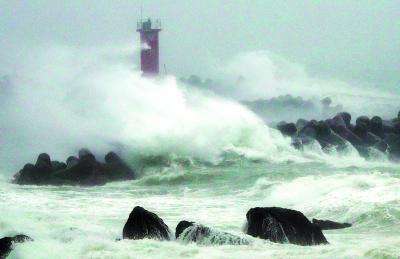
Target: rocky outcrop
[7,244]
[189,232]
[367,134]
[82,170]
[119,169]
[283,226]
[328,224]
[182,225]
[288,129]
[145,224]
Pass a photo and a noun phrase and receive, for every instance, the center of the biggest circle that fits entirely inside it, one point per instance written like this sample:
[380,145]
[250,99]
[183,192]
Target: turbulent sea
[219,160]
[75,222]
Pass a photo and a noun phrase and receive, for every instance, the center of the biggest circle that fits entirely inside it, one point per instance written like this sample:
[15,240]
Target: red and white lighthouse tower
[149,54]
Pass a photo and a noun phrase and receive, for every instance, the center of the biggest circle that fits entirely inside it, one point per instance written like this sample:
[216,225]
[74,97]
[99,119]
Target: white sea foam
[71,98]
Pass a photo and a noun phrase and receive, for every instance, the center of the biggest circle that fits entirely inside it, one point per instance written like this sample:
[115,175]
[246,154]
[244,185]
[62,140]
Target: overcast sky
[349,40]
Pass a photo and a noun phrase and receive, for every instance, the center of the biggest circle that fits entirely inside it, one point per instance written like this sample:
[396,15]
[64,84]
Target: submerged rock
[191,232]
[145,224]
[328,224]
[282,225]
[182,225]
[7,243]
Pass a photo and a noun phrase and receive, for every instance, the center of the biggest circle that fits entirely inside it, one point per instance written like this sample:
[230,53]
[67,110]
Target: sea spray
[61,104]
[262,74]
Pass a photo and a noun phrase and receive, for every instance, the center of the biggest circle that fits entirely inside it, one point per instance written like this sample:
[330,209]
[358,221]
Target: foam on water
[221,161]
[89,101]
[84,222]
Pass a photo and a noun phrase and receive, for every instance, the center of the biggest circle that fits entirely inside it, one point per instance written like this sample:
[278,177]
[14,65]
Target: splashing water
[68,101]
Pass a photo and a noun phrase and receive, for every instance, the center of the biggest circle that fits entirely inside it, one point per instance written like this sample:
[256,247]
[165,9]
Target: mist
[69,72]
[254,118]
[69,98]
[351,41]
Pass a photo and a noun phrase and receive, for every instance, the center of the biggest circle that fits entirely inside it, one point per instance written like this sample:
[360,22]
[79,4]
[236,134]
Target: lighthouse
[149,53]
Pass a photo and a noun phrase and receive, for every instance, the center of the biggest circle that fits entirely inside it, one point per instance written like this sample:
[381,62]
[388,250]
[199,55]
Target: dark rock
[117,168]
[306,135]
[84,152]
[328,224]
[346,117]
[381,145]
[71,161]
[182,225]
[26,175]
[337,121]
[85,171]
[287,129]
[348,135]
[301,123]
[361,130]
[396,127]
[7,243]
[368,138]
[388,127]
[376,125]
[43,167]
[283,226]
[393,141]
[363,120]
[323,129]
[43,161]
[309,130]
[192,232]
[56,165]
[391,126]
[371,139]
[35,174]
[326,136]
[145,224]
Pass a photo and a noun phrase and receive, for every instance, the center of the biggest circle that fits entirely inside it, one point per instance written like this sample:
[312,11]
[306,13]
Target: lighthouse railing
[142,24]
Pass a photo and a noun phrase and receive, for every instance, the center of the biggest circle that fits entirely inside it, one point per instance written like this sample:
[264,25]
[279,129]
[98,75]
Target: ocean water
[222,161]
[77,222]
